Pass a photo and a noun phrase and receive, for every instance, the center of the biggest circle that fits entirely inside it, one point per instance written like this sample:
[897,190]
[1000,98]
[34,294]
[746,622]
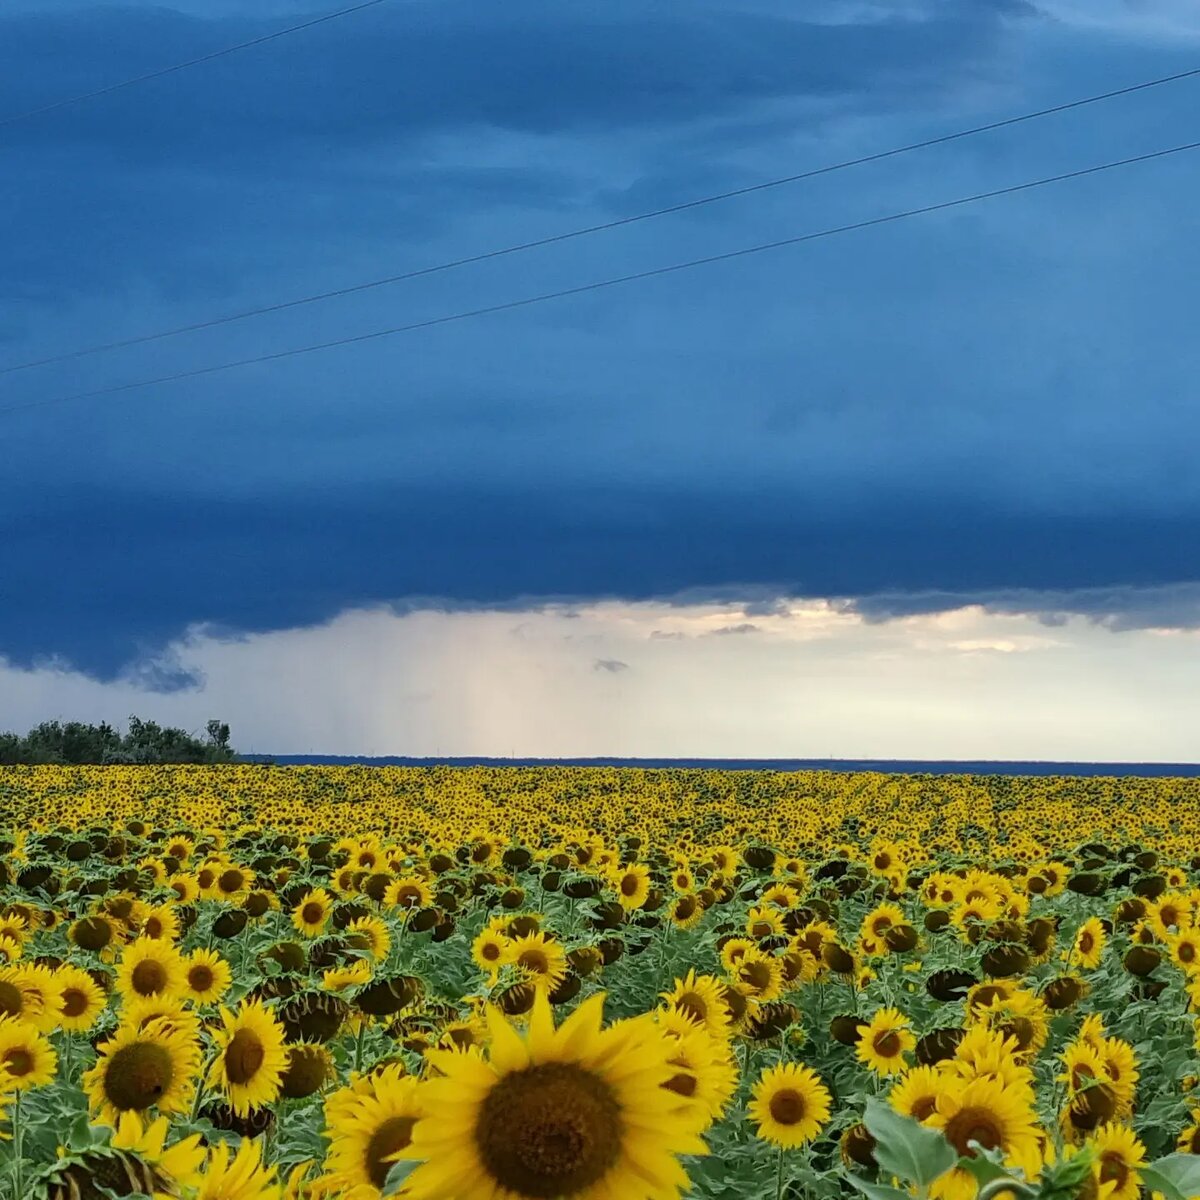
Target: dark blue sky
[999,401]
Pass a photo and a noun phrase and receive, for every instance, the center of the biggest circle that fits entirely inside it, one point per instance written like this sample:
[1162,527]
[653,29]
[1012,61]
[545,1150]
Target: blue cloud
[996,404]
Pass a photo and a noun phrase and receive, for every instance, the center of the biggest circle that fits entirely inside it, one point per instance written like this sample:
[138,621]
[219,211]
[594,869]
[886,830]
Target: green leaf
[876,1191]
[1177,1176]
[905,1147]
[984,1166]
[398,1173]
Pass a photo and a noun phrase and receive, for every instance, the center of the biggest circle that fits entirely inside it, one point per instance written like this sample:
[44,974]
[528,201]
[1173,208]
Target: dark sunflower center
[231,880]
[787,1107]
[973,1125]
[1113,1168]
[534,960]
[94,933]
[694,1006]
[137,1075]
[923,1108]
[1086,942]
[12,1002]
[74,1002]
[312,913]
[149,977]
[19,1061]
[629,885]
[205,877]
[490,951]
[756,974]
[550,1131]
[244,1056]
[389,1139]
[682,1084]
[685,907]
[200,977]
[887,1045]
[153,927]
[882,861]
[1187,952]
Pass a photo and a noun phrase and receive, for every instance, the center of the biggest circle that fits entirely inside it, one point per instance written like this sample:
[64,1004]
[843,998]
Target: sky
[924,489]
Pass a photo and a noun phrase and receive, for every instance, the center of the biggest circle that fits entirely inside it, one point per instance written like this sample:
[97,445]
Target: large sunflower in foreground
[241,1176]
[251,1057]
[154,1066]
[574,1113]
[368,1133]
[989,1114]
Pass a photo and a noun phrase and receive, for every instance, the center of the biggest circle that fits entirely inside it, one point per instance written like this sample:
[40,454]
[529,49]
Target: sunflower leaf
[905,1147]
[876,1191]
[397,1174]
[1177,1176]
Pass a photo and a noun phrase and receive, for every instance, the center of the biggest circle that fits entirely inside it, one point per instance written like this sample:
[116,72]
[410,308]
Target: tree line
[65,742]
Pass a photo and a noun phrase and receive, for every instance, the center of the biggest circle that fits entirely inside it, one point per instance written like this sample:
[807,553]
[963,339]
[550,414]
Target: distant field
[813,981]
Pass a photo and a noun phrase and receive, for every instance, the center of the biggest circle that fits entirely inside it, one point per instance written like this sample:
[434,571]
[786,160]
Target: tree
[144,742]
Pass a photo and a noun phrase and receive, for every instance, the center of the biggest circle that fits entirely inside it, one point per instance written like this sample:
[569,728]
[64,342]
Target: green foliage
[75,742]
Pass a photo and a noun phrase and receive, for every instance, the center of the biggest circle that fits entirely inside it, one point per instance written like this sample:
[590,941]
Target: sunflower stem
[779,1175]
[18,1131]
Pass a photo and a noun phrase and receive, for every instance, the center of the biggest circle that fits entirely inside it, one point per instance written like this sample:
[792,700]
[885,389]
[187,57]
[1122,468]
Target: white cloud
[816,680]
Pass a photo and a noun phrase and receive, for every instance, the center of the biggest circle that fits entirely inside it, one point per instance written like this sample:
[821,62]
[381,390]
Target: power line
[598,285]
[159,72]
[553,239]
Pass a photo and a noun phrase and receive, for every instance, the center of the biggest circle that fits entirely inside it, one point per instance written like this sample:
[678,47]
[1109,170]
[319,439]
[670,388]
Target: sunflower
[1120,1062]
[705,1074]
[310,1067]
[883,1042]
[353,974]
[29,993]
[542,958]
[879,920]
[1189,1139]
[782,895]
[160,923]
[10,948]
[142,1068]
[186,888]
[789,1105]
[368,1131]
[574,1113]
[1118,1156]
[408,892]
[371,934]
[702,998]
[174,1168]
[243,1176]
[80,999]
[686,911]
[631,883]
[206,976]
[732,951]
[1184,948]
[987,1114]
[984,1053]
[150,968]
[1089,944]
[764,921]
[915,1095]
[26,1057]
[251,1057]
[490,950]
[311,915]
[759,975]
[172,1011]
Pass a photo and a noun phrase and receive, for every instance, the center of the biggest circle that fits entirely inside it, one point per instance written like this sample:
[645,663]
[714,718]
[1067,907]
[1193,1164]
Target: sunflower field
[246,982]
